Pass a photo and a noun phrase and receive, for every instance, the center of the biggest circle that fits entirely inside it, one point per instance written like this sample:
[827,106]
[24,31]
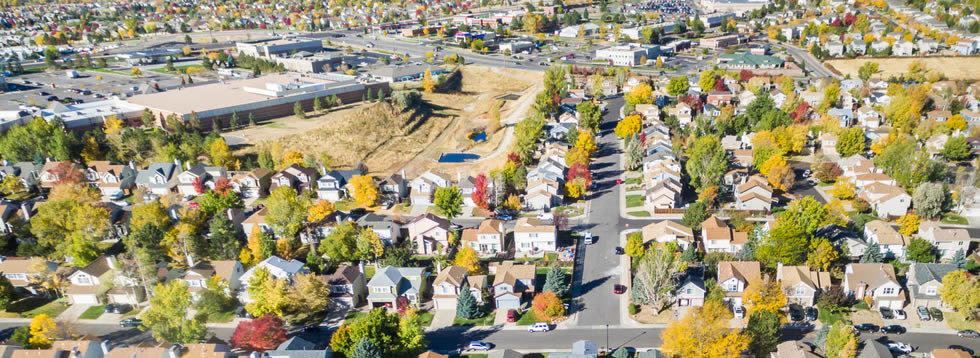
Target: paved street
[812,64]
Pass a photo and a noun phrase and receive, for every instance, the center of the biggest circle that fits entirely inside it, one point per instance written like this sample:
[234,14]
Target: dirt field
[955,68]
[388,141]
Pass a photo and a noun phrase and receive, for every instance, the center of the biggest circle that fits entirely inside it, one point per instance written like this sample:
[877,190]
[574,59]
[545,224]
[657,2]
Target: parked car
[936,314]
[900,314]
[795,312]
[619,289]
[130,322]
[923,313]
[619,181]
[968,333]
[620,251]
[505,217]
[900,347]
[240,312]
[546,216]
[539,327]
[738,311]
[116,308]
[478,346]
[588,238]
[896,329]
[811,314]
[886,313]
[310,328]
[866,327]
[511,315]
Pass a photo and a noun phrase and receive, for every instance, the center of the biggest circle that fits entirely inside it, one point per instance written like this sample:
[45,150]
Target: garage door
[445,303]
[84,299]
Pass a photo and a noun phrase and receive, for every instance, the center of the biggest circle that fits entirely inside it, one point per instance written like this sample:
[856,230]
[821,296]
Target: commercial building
[149,56]
[268,96]
[627,55]
[517,46]
[739,7]
[392,74]
[279,47]
[83,116]
[319,63]
[748,61]
[720,41]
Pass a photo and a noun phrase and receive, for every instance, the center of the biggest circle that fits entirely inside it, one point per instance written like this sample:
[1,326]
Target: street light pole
[607,338]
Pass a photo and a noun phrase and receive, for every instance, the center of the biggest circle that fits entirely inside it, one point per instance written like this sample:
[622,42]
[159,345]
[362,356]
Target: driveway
[73,312]
[442,319]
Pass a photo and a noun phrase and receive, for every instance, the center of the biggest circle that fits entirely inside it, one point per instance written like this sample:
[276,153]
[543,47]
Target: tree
[930,199]
[42,330]
[867,70]
[556,281]
[841,342]
[220,154]
[704,332]
[286,211]
[763,328]
[341,244]
[956,148]
[167,315]
[365,190]
[678,85]
[481,192]
[634,153]
[844,188]
[71,226]
[298,110]
[7,293]
[589,115]
[547,306]
[466,306]
[872,254]
[822,254]
[267,293]
[449,200]
[629,126]
[850,142]
[961,292]
[223,243]
[640,94]
[780,175]
[317,105]
[920,250]
[707,162]
[319,211]
[428,85]
[366,349]
[307,296]
[695,214]
[764,295]
[401,336]
[655,278]
[959,259]
[468,258]
[634,245]
[369,245]
[261,334]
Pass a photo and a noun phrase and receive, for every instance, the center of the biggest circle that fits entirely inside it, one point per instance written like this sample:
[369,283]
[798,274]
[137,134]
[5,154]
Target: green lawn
[528,318]
[957,321]
[33,306]
[952,218]
[103,70]
[355,315]
[634,200]
[369,271]
[827,317]
[426,317]
[93,312]
[180,69]
[52,309]
[633,180]
[221,317]
[486,320]
[639,213]
[344,205]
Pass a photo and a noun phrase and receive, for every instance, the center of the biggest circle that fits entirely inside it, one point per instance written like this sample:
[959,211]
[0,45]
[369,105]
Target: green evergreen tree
[317,106]
[224,244]
[170,65]
[872,254]
[233,122]
[959,259]
[369,95]
[763,327]
[366,349]
[251,119]
[466,306]
[556,281]
[381,94]
[690,254]
[298,110]
[266,161]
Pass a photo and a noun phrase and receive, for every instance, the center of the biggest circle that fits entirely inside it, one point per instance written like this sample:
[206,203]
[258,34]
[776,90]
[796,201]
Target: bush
[861,205]
[632,309]
[407,99]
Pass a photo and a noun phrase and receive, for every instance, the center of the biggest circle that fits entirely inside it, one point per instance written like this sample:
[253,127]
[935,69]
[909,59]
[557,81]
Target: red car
[511,315]
[619,181]
[619,289]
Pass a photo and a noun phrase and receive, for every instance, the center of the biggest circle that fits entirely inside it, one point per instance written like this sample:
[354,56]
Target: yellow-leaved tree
[586,141]
[42,327]
[319,211]
[365,190]
[704,333]
[909,224]
[467,257]
[428,85]
[844,188]
[629,126]
[764,295]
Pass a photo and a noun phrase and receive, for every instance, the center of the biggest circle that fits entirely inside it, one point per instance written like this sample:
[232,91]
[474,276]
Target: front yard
[93,312]
[486,320]
[958,321]
[634,200]
[33,306]
[528,318]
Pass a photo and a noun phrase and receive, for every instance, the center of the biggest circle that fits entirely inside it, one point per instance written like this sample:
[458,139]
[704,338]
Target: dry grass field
[388,140]
[955,68]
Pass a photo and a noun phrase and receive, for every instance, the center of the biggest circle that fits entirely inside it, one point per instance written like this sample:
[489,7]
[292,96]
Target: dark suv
[896,329]
[795,313]
[866,327]
[886,313]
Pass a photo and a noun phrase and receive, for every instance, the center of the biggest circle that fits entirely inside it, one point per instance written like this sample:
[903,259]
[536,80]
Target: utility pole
[607,338]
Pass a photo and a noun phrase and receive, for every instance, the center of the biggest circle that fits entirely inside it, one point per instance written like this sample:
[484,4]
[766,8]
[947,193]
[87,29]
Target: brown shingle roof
[533,225]
[874,275]
[747,271]
[666,227]
[886,234]
[344,275]
[508,272]
[452,274]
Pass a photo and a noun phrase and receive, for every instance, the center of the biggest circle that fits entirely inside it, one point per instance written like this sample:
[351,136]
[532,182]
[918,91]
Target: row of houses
[661,169]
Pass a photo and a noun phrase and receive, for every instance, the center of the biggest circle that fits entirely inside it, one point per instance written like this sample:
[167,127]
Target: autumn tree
[961,292]
[369,245]
[70,224]
[468,258]
[365,191]
[678,85]
[850,142]
[843,189]
[285,211]
[481,192]
[268,294]
[220,154]
[449,200]
[402,336]
[168,315]
[841,342]
[764,295]
[655,278]
[319,211]
[822,254]
[260,334]
[704,332]
[428,84]
[547,306]
[634,245]
[306,297]
[707,162]
[629,126]
[640,94]
[908,224]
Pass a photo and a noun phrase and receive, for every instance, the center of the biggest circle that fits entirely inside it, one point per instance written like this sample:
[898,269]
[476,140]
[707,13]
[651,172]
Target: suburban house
[946,241]
[158,178]
[200,174]
[10,213]
[278,268]
[828,143]
[753,194]
[541,200]
[533,236]
[512,284]
[102,280]
[390,283]
[387,229]
[25,171]
[393,188]
[841,237]
[487,239]
[347,286]
[252,184]
[886,200]
[112,180]
[735,276]
[333,185]
[449,285]
[429,234]
[295,176]
[668,231]
[877,281]
[53,172]
[718,237]
[18,271]
[891,242]
[297,347]
[425,186]
[924,282]
[690,287]
[197,276]
[801,285]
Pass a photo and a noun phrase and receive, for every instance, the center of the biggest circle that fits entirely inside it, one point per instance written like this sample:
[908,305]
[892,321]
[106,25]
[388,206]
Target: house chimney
[178,163]
[111,260]
[190,260]
[360,266]
[438,267]
[25,211]
[132,165]
[403,174]
[105,347]
[187,166]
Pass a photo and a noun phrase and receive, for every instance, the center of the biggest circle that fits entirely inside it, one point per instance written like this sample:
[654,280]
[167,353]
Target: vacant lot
[955,68]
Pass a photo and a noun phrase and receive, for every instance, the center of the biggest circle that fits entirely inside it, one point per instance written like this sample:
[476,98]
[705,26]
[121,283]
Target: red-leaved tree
[260,334]
[479,195]
[745,75]
[720,85]
[402,304]
[801,112]
[199,186]
[222,185]
[580,170]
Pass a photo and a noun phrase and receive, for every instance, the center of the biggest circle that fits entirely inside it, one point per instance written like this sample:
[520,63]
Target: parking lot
[37,88]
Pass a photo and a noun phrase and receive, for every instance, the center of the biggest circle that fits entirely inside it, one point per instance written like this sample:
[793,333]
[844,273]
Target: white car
[900,314]
[479,346]
[900,347]
[546,216]
[739,312]
[539,327]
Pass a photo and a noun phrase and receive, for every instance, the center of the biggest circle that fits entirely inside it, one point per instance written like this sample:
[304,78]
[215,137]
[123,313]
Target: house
[877,281]
[843,239]
[252,184]
[924,281]
[835,48]
[390,283]
[11,214]
[533,236]
[735,276]
[112,180]
[296,347]
[294,176]
[949,353]
[580,349]
[393,188]
[83,348]
[844,116]
[348,288]
[53,172]
[867,179]
[690,287]
[425,186]
[661,193]
[197,276]
[449,285]
[754,194]
[868,117]
[718,237]
[333,185]
[668,231]
[946,241]
[512,284]
[158,178]
[792,349]
[94,284]
[886,200]
[197,177]
[541,200]
[683,113]
[429,234]
[891,242]
[903,48]
[387,229]
[487,239]
[18,271]
[828,142]
[277,267]
[800,284]
[26,171]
